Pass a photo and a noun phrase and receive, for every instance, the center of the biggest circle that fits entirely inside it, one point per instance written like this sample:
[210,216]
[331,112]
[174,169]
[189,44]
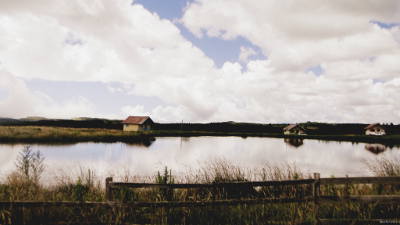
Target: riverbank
[42,134]
[390,140]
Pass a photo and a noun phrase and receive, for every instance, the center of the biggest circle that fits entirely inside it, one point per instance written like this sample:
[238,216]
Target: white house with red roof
[294,129]
[137,123]
[375,129]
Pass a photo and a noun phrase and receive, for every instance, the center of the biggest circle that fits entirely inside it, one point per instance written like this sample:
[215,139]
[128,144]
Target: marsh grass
[86,186]
[385,167]
[34,134]
[379,167]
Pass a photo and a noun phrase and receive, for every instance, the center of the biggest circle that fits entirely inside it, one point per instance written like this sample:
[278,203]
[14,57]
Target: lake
[183,154]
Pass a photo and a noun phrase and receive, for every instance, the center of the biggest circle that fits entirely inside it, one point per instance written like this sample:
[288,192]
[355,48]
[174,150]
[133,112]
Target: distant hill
[4,120]
[86,118]
[73,123]
[34,118]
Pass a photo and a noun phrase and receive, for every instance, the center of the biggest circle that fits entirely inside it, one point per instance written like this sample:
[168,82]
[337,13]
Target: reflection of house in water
[375,129]
[183,139]
[375,148]
[294,129]
[295,142]
[146,141]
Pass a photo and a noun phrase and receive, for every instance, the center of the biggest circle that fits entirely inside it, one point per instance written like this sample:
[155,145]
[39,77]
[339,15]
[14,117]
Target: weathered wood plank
[363,198]
[109,188]
[361,180]
[214,185]
[343,221]
[55,204]
[323,181]
[156,204]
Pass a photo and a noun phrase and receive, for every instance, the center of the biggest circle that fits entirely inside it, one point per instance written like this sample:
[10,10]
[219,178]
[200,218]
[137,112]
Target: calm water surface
[183,154]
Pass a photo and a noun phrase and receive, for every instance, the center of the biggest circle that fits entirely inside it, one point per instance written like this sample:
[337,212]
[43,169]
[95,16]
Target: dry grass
[34,131]
[87,187]
[385,167]
[63,135]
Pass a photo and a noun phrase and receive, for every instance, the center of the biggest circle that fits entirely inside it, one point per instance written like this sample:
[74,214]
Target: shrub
[30,164]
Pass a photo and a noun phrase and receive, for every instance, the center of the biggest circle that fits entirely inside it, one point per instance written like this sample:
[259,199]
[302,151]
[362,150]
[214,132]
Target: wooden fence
[314,197]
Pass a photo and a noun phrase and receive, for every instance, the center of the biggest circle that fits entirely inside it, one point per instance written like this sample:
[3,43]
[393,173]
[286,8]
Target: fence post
[346,188]
[109,196]
[316,193]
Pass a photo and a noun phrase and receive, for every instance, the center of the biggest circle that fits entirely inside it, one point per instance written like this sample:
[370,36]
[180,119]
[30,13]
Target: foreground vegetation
[24,184]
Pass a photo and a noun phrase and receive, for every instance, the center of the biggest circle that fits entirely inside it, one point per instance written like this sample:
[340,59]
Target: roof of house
[135,119]
[291,126]
[373,125]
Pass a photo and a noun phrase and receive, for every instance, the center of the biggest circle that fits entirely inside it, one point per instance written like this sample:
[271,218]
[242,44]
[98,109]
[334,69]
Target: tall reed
[24,184]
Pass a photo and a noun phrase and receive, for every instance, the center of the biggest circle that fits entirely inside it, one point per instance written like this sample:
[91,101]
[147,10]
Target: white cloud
[115,41]
[134,110]
[20,102]
[299,34]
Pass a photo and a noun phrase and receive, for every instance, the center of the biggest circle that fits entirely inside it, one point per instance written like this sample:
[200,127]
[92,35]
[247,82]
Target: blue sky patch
[71,39]
[166,9]
[3,94]
[221,50]
[317,70]
[385,25]
[217,49]
[376,81]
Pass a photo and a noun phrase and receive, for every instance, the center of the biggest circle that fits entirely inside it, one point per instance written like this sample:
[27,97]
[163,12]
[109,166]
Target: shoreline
[61,135]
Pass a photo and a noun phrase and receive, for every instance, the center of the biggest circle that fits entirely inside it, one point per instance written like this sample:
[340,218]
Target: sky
[201,60]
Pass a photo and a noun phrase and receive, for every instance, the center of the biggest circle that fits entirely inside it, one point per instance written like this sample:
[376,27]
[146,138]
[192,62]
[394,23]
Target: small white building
[375,129]
[137,123]
[294,129]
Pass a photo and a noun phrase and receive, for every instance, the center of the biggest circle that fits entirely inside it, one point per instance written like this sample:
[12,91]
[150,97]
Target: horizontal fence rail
[213,185]
[322,181]
[156,204]
[361,180]
[322,198]
[363,198]
[391,221]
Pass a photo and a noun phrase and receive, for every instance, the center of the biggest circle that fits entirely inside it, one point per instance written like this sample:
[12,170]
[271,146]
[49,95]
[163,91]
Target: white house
[137,123]
[294,129]
[375,129]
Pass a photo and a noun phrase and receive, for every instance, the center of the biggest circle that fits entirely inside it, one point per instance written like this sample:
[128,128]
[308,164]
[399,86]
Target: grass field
[33,134]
